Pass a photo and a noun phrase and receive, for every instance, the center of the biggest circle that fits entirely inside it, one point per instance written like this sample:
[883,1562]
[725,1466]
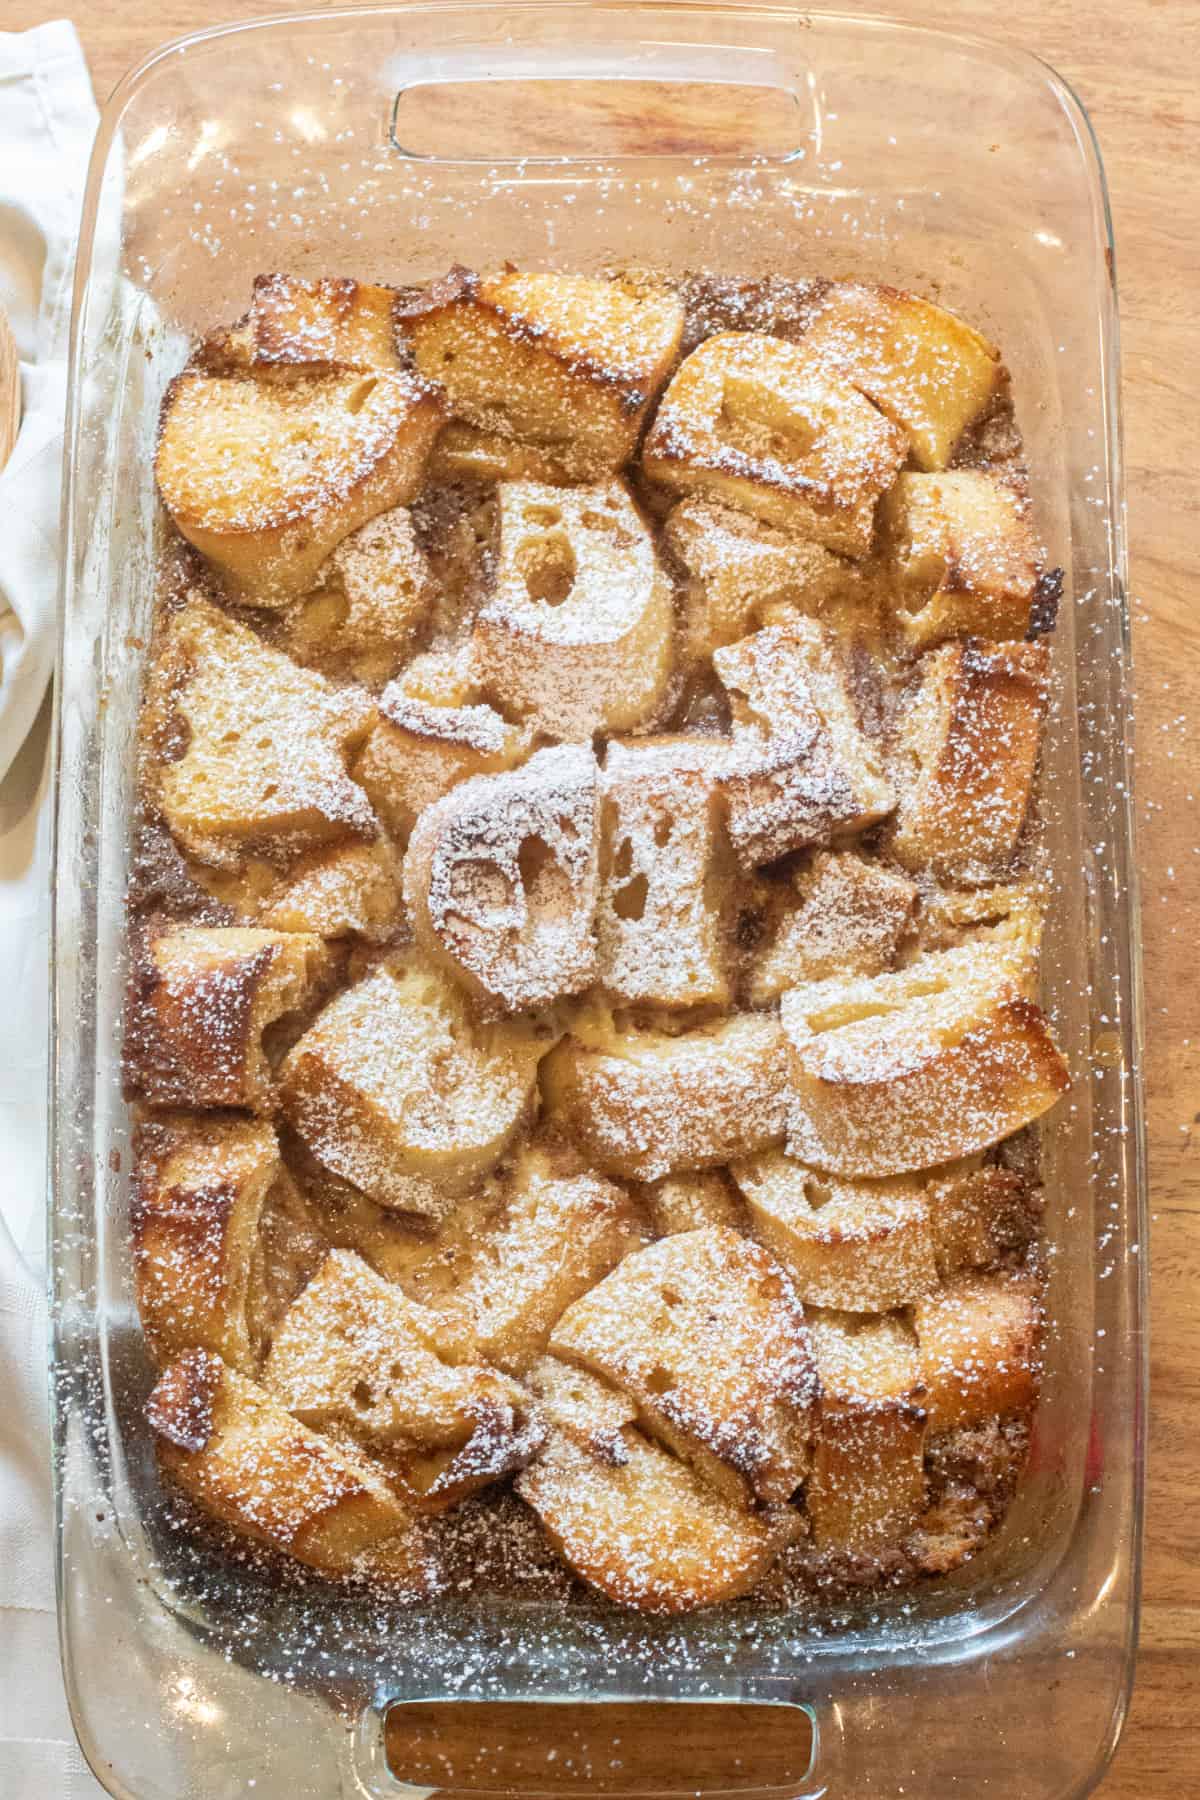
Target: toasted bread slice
[755,423]
[400,1089]
[662,920]
[980,1349]
[198,1201]
[578,1403]
[918,1067]
[371,596]
[736,566]
[800,771]
[691,1201]
[267,745]
[968,749]
[960,546]
[557,1235]
[355,1355]
[705,1333]
[333,322]
[241,1457]
[928,370]
[577,634]
[1011,914]
[500,880]
[565,363]
[643,1529]
[463,452]
[867,1486]
[201,999]
[850,920]
[336,890]
[265,478]
[979,1211]
[643,1103]
[433,732]
[865,1246]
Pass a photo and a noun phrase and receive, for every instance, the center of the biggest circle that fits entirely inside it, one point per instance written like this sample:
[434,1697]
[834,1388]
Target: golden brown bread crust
[241,1457]
[962,552]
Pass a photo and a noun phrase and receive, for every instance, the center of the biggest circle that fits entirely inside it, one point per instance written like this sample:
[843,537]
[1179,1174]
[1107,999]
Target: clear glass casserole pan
[388,142]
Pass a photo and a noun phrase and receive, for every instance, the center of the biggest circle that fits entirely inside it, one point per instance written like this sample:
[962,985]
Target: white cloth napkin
[47,122]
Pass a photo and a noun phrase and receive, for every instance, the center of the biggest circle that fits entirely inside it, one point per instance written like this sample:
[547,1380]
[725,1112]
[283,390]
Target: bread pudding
[583,1023]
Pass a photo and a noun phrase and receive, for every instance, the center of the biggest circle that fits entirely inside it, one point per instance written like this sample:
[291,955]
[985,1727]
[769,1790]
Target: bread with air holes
[201,999]
[201,1185]
[240,1456]
[369,601]
[556,1235]
[736,566]
[849,918]
[642,1102]
[690,1201]
[704,1332]
[800,771]
[663,919]
[925,368]
[399,1088]
[354,1356]
[266,477]
[968,752]
[577,633]
[500,880]
[753,422]
[962,558]
[267,744]
[866,1489]
[566,364]
[979,1339]
[864,1246]
[433,731]
[906,1070]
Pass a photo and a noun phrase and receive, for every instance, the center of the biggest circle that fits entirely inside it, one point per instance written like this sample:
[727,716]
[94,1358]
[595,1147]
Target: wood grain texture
[1134,65]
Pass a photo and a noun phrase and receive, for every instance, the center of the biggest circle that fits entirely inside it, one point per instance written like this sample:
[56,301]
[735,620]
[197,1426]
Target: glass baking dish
[389,142]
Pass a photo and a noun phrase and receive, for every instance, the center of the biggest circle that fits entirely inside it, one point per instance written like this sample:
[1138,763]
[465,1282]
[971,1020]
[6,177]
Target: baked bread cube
[267,746]
[863,1246]
[500,880]
[756,423]
[433,732]
[1010,914]
[736,567]
[331,321]
[662,919]
[906,1070]
[348,890]
[970,738]
[705,1334]
[565,363]
[354,1355]
[979,1212]
[241,1457]
[202,998]
[643,1103]
[198,1200]
[463,452]
[929,371]
[640,1527]
[800,771]
[577,1402]
[400,1089]
[266,477]
[960,546]
[371,596]
[690,1201]
[557,1235]
[850,920]
[577,634]
[866,1489]
[980,1349]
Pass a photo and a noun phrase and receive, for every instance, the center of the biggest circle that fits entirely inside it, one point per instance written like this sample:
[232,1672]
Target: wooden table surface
[1135,66]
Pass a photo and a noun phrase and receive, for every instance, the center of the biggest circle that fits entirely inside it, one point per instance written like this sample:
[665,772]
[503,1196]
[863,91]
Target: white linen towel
[47,123]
